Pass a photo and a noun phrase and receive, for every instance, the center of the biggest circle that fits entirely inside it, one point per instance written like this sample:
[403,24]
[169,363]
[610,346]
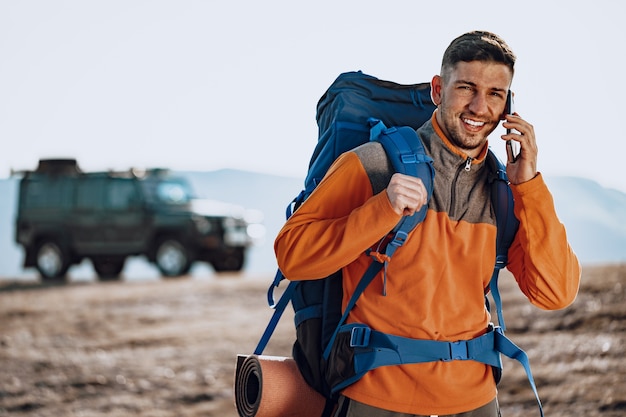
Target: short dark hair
[478,46]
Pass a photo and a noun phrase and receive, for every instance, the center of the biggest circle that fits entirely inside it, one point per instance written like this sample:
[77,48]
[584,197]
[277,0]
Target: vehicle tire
[172,258]
[108,268]
[229,260]
[52,261]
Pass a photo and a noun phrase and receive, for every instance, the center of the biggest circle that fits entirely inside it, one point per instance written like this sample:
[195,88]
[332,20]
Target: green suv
[65,215]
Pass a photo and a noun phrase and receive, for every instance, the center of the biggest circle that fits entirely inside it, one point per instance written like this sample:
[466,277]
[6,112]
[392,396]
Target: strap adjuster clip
[360,336]
[399,238]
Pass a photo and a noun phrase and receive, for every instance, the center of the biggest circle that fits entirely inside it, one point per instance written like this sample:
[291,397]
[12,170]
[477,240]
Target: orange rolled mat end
[272,386]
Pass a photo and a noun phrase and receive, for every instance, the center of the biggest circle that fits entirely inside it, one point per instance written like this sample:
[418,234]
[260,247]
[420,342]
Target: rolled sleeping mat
[272,386]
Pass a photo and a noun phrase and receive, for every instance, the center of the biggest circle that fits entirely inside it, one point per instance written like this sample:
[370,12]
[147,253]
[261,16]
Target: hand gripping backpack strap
[406,152]
[408,156]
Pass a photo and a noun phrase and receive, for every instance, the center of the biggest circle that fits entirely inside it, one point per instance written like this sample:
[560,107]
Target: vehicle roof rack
[58,166]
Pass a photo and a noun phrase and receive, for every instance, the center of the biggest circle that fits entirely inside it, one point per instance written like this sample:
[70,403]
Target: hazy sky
[204,85]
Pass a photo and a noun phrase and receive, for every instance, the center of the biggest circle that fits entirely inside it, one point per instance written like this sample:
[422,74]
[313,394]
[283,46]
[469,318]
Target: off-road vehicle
[65,215]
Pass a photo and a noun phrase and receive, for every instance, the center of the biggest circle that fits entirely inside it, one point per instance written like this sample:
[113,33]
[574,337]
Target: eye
[465,90]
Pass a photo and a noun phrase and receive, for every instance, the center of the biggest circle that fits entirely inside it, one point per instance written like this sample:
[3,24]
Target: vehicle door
[87,224]
[125,219]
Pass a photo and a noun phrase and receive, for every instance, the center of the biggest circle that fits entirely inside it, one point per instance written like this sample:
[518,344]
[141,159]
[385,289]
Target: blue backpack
[356,109]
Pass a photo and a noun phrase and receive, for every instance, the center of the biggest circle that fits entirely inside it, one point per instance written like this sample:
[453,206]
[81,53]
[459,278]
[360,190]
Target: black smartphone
[512,147]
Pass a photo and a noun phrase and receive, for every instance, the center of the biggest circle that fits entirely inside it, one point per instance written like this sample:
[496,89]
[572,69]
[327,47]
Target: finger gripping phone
[512,147]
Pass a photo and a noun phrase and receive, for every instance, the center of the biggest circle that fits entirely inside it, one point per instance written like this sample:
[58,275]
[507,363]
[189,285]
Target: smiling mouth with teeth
[473,123]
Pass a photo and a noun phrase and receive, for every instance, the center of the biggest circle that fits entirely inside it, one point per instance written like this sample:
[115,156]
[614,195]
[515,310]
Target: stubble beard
[463,140]
[459,137]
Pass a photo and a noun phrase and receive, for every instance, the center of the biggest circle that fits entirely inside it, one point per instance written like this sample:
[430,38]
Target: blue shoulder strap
[406,152]
[279,309]
[507,225]
[408,156]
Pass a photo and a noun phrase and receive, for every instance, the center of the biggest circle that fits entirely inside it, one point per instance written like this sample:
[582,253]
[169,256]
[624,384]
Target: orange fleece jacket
[436,281]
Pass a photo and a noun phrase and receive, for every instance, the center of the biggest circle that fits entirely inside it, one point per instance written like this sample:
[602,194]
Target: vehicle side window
[48,194]
[89,194]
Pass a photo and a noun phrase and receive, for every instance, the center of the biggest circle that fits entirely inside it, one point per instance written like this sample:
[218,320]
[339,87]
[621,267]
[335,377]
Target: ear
[435,89]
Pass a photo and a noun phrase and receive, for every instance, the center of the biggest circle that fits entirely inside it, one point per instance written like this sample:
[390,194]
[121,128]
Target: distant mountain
[595,217]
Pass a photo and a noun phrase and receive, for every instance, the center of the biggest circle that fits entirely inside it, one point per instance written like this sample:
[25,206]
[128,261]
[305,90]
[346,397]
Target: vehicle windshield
[171,191]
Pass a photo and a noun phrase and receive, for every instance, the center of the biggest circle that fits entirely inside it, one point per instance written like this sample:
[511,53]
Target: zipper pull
[468,164]
[385,280]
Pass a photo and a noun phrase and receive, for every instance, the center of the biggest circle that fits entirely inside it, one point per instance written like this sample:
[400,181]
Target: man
[434,286]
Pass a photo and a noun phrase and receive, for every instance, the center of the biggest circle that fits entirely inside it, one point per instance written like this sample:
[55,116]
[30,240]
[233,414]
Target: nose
[478,105]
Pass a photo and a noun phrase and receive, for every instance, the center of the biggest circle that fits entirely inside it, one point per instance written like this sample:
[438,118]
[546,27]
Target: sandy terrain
[168,347]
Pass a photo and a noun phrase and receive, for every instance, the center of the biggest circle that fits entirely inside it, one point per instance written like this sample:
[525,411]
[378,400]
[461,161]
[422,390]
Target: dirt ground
[168,347]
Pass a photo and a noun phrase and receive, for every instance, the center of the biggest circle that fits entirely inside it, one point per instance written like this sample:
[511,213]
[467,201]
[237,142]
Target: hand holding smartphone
[512,147]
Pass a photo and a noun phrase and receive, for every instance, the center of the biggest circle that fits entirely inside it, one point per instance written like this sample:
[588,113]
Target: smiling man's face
[471,100]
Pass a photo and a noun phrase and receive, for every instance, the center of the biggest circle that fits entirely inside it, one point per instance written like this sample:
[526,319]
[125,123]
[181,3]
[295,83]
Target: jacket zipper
[466,166]
[468,163]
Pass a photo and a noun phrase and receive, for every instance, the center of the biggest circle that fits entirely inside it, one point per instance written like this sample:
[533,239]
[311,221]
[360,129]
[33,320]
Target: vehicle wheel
[108,267]
[229,260]
[172,258]
[52,261]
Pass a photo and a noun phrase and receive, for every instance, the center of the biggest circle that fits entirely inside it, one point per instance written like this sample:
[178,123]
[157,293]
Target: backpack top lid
[349,102]
[355,96]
